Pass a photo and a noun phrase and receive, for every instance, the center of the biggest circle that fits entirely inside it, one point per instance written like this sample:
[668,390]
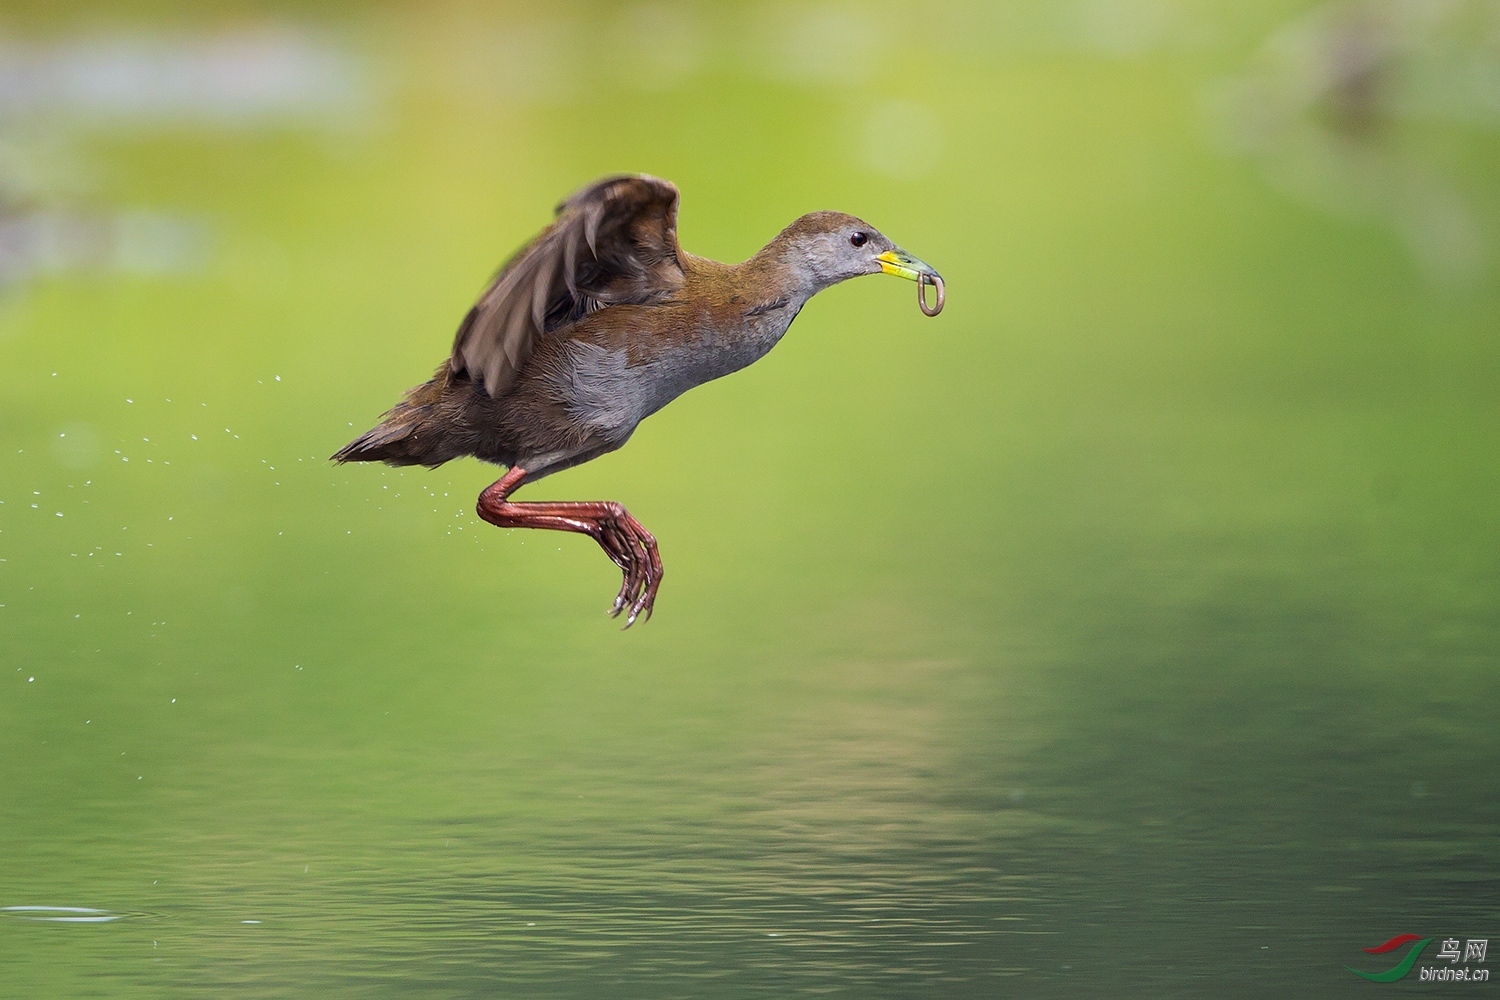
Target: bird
[597,323]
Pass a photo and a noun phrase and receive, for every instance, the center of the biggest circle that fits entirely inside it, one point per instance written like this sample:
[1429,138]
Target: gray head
[825,248]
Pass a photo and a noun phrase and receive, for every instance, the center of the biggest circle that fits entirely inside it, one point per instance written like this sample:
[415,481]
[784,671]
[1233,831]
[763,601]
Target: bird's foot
[634,550]
[629,545]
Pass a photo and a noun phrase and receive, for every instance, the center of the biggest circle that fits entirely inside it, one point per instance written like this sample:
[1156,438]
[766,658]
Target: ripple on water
[63,914]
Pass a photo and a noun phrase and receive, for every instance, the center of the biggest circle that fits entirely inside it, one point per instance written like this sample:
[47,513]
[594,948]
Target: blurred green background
[1128,630]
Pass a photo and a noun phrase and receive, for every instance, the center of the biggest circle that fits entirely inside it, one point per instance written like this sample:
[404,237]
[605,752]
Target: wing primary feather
[512,333]
[460,350]
[591,218]
[570,261]
[628,224]
[492,372]
[541,292]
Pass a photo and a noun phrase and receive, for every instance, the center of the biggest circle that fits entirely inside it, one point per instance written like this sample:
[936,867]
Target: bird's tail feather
[407,435]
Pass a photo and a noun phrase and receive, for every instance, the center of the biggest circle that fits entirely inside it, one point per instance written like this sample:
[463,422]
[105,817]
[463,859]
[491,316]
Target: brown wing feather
[613,243]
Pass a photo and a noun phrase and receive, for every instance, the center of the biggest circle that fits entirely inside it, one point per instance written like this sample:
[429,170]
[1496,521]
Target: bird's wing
[612,243]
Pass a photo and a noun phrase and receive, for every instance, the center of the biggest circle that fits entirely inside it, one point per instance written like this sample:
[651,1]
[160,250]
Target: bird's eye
[858,239]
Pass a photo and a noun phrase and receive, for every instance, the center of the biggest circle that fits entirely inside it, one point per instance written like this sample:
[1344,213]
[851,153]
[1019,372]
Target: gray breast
[713,354]
[610,396]
[603,392]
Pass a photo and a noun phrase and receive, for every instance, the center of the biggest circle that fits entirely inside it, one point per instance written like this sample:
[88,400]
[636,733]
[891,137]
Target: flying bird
[595,325]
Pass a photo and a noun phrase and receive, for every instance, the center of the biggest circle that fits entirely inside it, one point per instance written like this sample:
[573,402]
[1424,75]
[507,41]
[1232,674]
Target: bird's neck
[778,272]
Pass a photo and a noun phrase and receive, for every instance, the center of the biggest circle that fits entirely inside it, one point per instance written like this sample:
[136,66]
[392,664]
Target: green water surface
[1131,629]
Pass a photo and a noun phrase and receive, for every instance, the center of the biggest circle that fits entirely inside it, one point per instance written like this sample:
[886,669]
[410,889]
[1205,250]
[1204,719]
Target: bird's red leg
[621,536]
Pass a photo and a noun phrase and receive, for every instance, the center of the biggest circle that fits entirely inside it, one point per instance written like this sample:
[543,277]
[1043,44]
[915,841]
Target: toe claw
[622,599]
[633,549]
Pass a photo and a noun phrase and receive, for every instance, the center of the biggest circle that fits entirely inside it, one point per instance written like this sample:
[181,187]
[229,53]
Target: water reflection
[658,914]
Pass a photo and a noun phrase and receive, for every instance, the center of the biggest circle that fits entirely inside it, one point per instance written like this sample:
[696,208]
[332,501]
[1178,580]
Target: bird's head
[828,247]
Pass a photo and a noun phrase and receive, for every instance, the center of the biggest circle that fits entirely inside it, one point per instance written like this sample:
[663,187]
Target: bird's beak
[901,263]
[904,265]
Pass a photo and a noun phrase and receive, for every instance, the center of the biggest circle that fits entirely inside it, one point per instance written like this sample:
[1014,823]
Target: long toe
[646,600]
[646,603]
[630,586]
[633,549]
[621,550]
[653,581]
[642,597]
